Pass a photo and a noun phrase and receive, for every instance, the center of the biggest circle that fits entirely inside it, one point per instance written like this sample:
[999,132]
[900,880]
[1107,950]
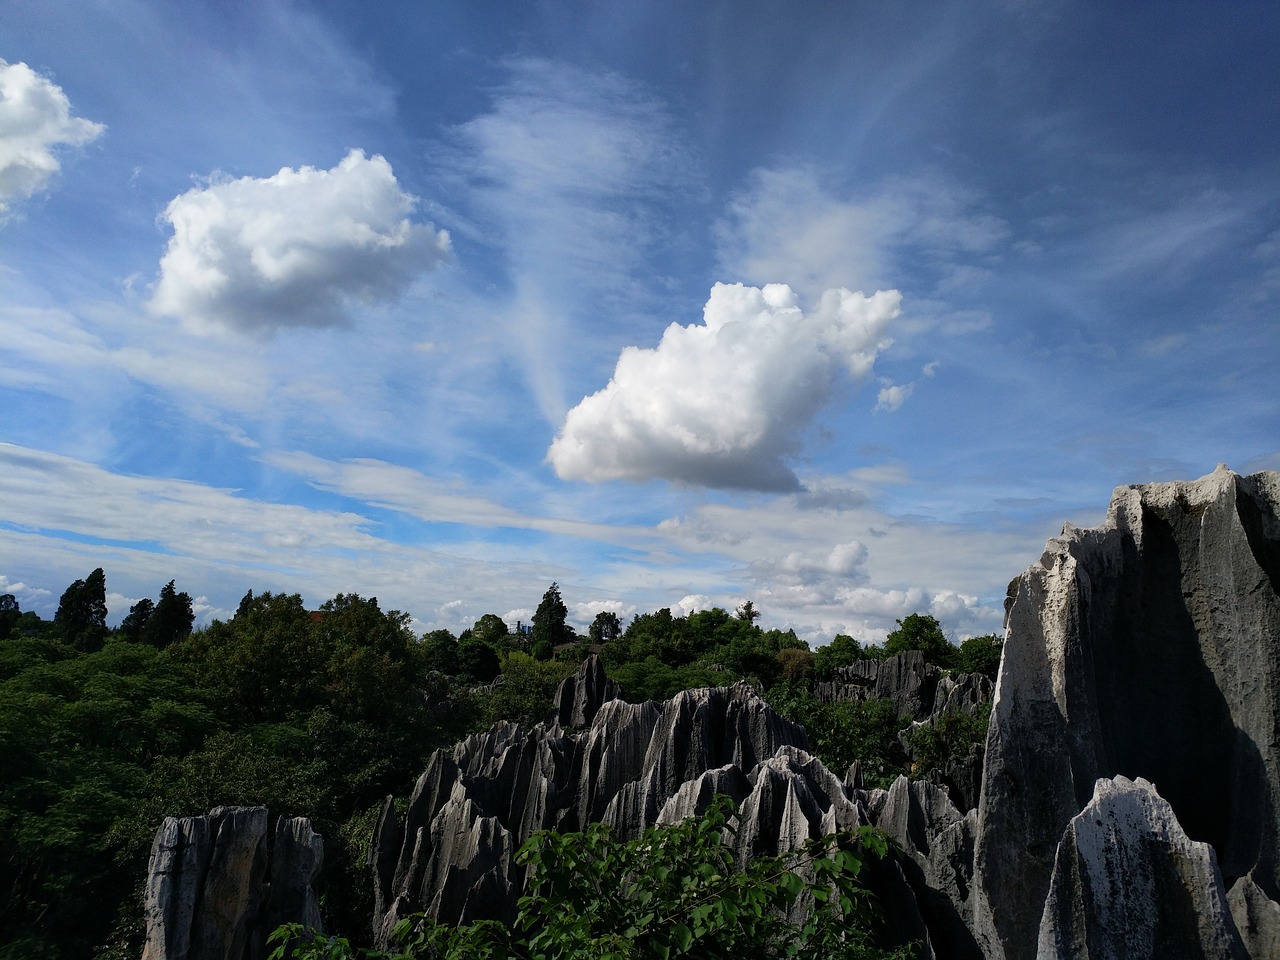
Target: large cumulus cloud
[35,118]
[723,403]
[294,250]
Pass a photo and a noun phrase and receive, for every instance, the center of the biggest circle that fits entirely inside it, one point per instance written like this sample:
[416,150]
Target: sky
[843,308]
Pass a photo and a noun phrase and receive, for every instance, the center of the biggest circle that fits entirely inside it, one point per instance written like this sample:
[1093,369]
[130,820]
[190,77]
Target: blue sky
[843,308]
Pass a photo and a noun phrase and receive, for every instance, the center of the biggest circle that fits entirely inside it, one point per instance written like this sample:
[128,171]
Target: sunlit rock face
[1149,647]
[1129,882]
[209,894]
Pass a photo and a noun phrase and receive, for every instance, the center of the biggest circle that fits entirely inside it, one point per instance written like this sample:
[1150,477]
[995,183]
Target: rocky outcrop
[1128,882]
[473,807]
[921,691]
[936,840]
[1149,647]
[581,695]
[207,893]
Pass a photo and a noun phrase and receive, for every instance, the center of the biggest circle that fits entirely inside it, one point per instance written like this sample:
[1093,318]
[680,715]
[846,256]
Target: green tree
[748,612]
[981,655]
[171,619]
[10,613]
[440,652]
[605,628]
[491,629]
[921,632]
[527,691]
[131,626]
[477,661]
[82,612]
[549,619]
[840,652]
[847,730]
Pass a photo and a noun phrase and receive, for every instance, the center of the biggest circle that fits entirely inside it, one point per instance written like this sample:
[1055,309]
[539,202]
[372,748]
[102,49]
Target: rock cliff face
[1149,647]
[208,896]
[1128,882]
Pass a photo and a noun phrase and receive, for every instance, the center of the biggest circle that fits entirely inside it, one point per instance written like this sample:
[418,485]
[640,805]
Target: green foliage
[605,628]
[440,652]
[950,739]
[170,620]
[77,735]
[313,714]
[843,732]
[651,679]
[673,892]
[549,624]
[11,612]
[840,652]
[922,632]
[981,655]
[477,661]
[82,612]
[527,689]
[491,629]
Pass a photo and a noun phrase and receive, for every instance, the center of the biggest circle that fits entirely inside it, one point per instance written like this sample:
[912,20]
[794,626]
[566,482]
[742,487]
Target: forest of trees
[322,713]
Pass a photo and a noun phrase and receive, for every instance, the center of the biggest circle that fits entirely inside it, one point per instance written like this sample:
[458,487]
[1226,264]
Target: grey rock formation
[581,695]
[207,897]
[1128,882]
[937,859]
[921,691]
[1149,647]
[905,679]
[633,763]
[1257,918]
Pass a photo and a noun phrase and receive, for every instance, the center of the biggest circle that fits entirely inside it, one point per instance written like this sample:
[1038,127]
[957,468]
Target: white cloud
[584,613]
[21,592]
[297,249]
[35,118]
[844,560]
[723,403]
[693,603]
[893,395]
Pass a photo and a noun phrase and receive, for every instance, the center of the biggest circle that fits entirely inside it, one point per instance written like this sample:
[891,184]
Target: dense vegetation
[322,713]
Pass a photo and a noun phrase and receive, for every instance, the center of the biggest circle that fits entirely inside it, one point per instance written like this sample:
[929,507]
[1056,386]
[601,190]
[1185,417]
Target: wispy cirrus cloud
[566,178]
[787,225]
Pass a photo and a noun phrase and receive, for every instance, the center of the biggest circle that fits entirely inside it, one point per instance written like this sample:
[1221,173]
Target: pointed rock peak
[581,695]
[1170,889]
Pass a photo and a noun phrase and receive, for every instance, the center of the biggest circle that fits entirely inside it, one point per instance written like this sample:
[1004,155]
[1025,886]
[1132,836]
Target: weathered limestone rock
[1149,647]
[206,898]
[1257,918]
[297,853]
[472,808]
[937,859]
[581,695]
[1128,882]
[904,679]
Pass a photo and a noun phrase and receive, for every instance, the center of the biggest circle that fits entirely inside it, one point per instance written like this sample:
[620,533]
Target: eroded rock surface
[1149,647]
[1128,882]
[207,894]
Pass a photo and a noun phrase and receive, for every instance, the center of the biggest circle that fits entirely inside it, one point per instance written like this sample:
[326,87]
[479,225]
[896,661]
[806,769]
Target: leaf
[682,936]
